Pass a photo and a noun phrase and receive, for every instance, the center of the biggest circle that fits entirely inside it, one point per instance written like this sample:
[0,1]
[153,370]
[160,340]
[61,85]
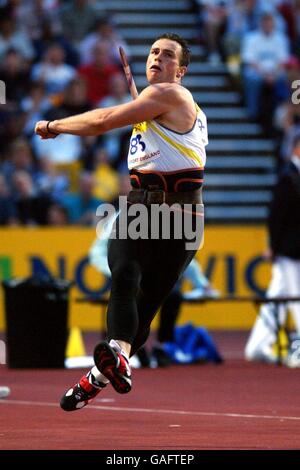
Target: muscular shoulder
[168,92]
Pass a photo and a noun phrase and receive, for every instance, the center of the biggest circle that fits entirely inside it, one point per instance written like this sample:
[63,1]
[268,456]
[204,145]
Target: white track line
[155,410]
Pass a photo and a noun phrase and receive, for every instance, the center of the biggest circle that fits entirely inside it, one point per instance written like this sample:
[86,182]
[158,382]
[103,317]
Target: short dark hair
[185,50]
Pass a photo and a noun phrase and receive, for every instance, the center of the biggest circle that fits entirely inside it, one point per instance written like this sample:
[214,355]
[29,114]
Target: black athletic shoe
[80,395]
[114,366]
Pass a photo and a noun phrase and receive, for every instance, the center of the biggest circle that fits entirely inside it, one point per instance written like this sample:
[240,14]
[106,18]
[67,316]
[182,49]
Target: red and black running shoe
[81,394]
[114,366]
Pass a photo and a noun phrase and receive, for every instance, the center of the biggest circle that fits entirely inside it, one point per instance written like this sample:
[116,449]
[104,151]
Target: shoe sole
[107,361]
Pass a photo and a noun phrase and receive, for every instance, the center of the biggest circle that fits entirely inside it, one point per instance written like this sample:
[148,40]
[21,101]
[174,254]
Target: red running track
[236,405]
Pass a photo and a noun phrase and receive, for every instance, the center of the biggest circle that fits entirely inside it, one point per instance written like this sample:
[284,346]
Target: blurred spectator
[98,73]
[225,22]
[19,158]
[39,30]
[290,11]
[74,99]
[287,116]
[52,180]
[10,38]
[213,15]
[77,18]
[106,178]
[296,17]
[34,105]
[31,15]
[264,54]
[11,128]
[57,216]
[32,207]
[104,31]
[48,36]
[53,72]
[284,251]
[287,120]
[82,205]
[118,95]
[64,152]
[244,17]
[121,163]
[8,212]
[7,8]
[14,72]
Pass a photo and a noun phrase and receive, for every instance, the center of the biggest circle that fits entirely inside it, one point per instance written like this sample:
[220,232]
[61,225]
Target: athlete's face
[163,63]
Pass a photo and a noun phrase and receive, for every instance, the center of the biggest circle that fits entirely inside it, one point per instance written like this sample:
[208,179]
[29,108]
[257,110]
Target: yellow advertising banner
[231,258]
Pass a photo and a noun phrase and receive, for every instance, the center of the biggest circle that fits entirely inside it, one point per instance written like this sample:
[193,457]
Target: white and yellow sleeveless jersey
[155,147]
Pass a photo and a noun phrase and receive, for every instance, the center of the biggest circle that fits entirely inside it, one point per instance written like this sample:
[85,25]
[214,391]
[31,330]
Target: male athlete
[166,162]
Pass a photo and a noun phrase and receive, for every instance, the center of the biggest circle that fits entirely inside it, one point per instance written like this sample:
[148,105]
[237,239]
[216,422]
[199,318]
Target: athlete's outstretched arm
[154,101]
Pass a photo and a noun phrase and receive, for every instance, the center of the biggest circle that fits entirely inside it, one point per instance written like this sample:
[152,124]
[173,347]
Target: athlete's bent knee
[126,276]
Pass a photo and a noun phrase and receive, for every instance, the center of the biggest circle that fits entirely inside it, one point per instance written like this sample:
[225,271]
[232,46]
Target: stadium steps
[239,162]
[131,20]
[240,170]
[137,6]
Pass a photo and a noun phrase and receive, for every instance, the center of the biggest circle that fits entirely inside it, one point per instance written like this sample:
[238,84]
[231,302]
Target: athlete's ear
[181,71]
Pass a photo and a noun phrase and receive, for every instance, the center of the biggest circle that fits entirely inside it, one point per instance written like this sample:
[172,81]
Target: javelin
[128,74]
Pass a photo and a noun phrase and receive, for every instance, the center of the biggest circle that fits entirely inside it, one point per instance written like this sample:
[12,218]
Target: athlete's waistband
[158,196]
[172,181]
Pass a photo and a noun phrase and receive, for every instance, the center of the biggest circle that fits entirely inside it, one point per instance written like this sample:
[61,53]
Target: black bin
[36,311]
